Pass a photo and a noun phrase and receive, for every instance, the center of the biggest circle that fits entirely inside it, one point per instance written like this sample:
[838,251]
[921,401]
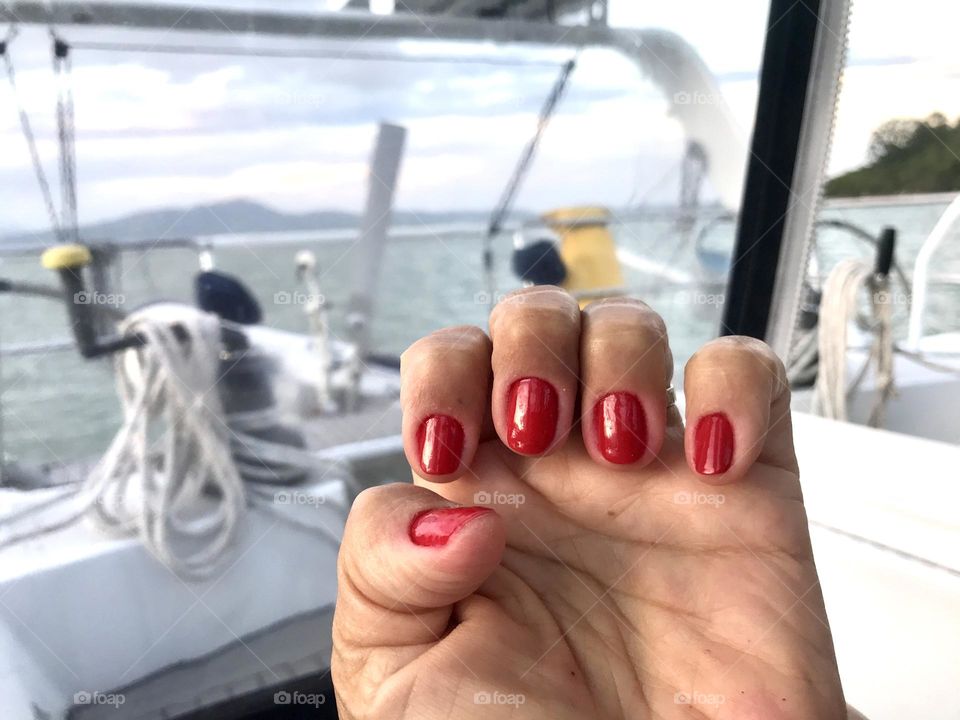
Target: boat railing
[36,249]
[103,254]
[921,270]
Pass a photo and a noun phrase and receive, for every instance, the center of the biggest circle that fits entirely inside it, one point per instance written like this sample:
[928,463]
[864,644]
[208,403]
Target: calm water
[58,407]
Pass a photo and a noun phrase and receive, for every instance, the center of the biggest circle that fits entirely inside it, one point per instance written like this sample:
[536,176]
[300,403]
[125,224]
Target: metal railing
[103,255]
[921,270]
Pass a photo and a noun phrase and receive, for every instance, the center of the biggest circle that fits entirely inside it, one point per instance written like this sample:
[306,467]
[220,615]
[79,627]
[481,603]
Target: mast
[383,174]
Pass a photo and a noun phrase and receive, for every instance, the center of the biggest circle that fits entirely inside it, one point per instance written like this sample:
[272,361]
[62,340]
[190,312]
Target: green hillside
[906,156]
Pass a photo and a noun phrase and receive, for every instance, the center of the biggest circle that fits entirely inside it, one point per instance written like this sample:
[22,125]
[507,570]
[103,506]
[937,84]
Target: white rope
[839,305]
[174,472]
[168,474]
[190,502]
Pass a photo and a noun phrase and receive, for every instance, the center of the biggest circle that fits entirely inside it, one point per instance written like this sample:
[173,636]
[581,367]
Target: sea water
[58,407]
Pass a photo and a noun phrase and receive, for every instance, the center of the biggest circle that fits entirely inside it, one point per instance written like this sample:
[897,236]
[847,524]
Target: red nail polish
[621,427]
[440,441]
[433,528]
[532,410]
[713,444]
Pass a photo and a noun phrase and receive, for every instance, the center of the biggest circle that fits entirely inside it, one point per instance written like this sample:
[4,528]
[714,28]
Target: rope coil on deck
[186,506]
[180,472]
[840,304]
[185,501]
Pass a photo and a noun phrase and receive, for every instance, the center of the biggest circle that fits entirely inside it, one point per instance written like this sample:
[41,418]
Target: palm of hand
[647,589]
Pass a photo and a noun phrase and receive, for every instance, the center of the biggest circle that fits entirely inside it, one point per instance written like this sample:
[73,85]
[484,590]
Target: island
[906,156]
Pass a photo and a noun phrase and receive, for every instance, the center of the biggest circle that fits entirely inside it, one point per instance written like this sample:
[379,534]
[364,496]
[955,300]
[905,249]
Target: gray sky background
[157,130]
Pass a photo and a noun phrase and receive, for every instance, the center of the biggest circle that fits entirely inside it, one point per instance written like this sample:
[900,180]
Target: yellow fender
[588,251]
[65,257]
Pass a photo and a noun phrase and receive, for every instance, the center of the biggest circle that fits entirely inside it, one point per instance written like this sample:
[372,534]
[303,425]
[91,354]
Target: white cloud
[169,130]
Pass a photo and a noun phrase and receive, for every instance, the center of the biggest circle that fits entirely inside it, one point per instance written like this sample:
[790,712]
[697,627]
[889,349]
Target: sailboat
[212,593]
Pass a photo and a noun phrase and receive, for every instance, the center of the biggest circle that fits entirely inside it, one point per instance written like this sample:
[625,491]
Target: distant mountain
[235,216]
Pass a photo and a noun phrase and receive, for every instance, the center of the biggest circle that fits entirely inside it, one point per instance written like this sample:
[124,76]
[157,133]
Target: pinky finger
[737,410]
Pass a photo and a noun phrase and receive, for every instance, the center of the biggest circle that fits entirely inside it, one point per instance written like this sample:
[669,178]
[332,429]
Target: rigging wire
[66,132]
[685,233]
[509,194]
[29,136]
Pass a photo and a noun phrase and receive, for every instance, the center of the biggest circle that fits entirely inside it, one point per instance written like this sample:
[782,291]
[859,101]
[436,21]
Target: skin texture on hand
[569,549]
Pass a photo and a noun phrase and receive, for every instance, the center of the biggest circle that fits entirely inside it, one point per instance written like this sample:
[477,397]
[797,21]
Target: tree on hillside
[906,156]
[892,135]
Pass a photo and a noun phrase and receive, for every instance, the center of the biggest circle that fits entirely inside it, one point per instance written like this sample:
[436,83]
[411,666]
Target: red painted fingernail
[532,410]
[433,528]
[440,440]
[713,444]
[621,427]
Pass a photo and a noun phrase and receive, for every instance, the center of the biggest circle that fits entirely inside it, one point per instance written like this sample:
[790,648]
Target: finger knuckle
[759,353]
[461,340]
[467,336]
[626,337]
[540,304]
[549,293]
[738,351]
[626,307]
[538,328]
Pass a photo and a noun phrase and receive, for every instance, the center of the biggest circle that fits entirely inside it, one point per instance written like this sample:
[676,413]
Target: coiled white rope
[840,305]
[188,502]
[168,474]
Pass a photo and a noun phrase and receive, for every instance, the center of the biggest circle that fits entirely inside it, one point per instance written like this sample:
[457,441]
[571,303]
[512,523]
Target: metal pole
[384,171]
[344,24]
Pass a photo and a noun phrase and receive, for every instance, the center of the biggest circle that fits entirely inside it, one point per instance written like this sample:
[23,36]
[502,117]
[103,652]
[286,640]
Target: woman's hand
[568,549]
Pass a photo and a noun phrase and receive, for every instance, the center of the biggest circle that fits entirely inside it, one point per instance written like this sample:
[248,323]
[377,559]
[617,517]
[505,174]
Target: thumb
[407,556]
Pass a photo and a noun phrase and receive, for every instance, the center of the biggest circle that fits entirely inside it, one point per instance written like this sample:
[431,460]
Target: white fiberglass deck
[886,536]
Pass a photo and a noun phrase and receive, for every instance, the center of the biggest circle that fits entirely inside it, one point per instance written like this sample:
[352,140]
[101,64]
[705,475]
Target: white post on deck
[382,182]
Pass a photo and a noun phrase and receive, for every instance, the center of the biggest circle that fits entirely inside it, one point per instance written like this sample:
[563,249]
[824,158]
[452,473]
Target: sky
[160,130]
